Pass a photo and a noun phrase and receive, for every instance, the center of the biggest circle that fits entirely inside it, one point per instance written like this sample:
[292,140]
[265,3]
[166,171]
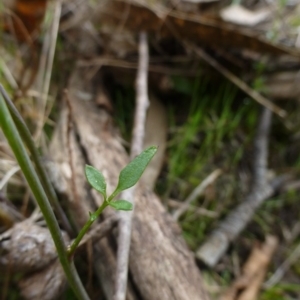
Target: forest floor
[211,125]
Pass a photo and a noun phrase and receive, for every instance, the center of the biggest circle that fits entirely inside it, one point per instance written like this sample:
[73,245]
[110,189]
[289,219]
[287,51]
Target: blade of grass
[26,137]
[12,135]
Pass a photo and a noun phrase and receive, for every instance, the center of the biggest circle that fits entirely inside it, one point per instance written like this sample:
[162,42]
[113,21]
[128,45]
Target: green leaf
[134,170]
[121,205]
[96,179]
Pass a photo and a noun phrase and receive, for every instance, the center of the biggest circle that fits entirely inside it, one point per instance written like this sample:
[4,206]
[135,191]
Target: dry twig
[8,175]
[70,151]
[9,214]
[240,83]
[125,223]
[196,193]
[119,63]
[99,230]
[283,268]
[217,244]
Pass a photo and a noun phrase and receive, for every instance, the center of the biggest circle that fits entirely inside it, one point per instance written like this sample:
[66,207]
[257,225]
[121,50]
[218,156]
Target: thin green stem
[112,196]
[86,227]
[17,146]
[26,137]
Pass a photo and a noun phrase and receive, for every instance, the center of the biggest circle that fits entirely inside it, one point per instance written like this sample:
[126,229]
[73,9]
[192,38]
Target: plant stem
[86,227]
[17,146]
[26,137]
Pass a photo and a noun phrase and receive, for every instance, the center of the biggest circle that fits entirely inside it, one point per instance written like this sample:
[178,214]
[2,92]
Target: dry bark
[161,265]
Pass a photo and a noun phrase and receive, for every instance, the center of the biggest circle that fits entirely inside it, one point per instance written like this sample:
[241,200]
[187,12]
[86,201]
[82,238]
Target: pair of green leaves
[127,178]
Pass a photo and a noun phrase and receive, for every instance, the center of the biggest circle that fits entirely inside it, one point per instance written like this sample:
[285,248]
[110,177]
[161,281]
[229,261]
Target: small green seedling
[128,177]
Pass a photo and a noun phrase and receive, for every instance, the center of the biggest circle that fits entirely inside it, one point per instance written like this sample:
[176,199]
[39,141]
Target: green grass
[214,117]
[212,121]
[281,292]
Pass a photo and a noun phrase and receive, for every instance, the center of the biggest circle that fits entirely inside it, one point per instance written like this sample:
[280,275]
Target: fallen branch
[228,230]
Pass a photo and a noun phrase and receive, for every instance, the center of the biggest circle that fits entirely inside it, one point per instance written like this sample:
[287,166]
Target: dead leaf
[25,17]
[165,23]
